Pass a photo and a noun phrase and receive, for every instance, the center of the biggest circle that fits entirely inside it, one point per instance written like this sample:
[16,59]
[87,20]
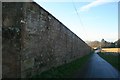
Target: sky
[90,20]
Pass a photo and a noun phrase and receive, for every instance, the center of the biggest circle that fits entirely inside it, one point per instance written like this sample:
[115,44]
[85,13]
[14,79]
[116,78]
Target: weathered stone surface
[35,41]
[28,63]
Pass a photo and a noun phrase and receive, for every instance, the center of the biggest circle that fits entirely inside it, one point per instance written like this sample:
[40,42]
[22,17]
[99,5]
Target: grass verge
[64,70]
[112,59]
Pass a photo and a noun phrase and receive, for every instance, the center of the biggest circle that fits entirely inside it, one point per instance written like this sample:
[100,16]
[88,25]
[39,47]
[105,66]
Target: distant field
[116,50]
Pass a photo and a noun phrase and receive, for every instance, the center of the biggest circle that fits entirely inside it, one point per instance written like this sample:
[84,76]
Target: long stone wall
[34,41]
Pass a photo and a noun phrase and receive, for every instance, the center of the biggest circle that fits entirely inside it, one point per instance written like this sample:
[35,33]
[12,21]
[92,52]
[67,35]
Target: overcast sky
[95,20]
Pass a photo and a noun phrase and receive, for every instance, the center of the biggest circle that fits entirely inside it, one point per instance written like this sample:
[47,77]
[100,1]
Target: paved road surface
[97,67]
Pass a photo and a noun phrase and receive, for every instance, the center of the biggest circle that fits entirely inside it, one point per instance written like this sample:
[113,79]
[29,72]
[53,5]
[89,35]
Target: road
[97,67]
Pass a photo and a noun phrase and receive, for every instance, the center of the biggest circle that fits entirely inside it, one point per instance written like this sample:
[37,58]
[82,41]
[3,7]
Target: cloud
[93,4]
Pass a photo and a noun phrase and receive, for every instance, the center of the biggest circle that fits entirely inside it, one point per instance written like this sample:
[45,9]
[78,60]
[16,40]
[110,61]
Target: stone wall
[35,41]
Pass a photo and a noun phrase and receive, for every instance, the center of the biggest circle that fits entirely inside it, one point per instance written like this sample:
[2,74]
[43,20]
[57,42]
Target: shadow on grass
[111,58]
[64,71]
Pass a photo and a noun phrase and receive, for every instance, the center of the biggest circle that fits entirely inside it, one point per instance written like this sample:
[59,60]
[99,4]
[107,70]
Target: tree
[117,43]
[93,43]
[103,43]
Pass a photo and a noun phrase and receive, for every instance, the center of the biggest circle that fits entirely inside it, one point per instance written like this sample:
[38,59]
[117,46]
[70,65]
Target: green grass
[64,70]
[112,59]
